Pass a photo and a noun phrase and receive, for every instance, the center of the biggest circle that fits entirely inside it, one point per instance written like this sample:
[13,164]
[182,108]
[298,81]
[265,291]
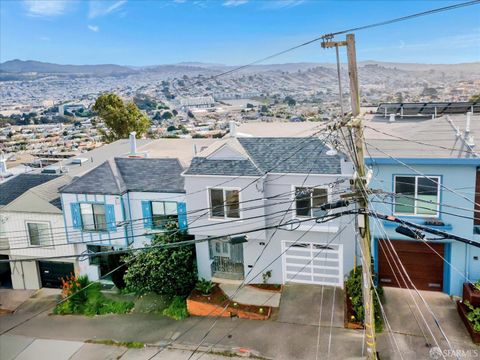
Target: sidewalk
[15,347]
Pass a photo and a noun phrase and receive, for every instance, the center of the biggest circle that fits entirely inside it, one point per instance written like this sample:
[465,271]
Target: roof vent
[392,118]
[233,128]
[133,143]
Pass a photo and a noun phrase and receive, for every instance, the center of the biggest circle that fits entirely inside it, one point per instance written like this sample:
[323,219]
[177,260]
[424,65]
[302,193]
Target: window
[163,212]
[93,217]
[39,234]
[309,200]
[220,248]
[417,195]
[224,203]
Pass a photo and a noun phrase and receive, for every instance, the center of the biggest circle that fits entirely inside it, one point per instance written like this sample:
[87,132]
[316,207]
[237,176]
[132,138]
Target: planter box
[463,311]
[471,294]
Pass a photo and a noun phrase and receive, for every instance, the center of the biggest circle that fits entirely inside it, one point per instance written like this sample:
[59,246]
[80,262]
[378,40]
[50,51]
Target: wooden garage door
[51,273]
[422,264]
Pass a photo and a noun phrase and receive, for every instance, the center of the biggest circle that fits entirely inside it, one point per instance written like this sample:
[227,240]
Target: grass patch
[82,297]
[128,344]
[177,309]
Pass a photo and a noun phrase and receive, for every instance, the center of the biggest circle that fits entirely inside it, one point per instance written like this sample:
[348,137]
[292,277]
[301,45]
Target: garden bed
[463,311]
[471,294]
[268,287]
[218,304]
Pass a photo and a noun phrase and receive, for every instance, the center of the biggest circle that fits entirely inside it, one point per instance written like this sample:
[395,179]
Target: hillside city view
[230,179]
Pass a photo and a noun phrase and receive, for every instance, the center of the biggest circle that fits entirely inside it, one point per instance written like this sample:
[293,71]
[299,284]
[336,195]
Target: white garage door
[312,263]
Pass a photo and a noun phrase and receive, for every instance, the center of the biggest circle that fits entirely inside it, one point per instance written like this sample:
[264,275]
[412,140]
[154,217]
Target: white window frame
[224,244]
[294,189]
[224,189]
[50,243]
[95,229]
[436,178]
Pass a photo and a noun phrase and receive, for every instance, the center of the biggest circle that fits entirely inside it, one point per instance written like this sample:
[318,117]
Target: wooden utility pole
[360,187]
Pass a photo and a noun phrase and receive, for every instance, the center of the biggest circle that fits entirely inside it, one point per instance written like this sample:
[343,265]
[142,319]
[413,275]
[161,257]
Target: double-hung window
[309,200]
[39,234]
[224,203]
[93,217]
[417,195]
[164,212]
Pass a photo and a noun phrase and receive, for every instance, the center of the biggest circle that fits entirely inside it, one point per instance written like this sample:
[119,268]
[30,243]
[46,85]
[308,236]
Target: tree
[289,101]
[120,118]
[474,98]
[167,115]
[168,271]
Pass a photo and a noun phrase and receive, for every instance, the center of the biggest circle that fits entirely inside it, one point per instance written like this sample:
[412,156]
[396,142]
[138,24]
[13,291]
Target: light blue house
[427,171]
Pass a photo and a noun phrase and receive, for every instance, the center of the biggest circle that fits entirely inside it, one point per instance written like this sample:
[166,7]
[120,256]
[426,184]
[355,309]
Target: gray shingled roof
[13,188]
[274,154]
[57,202]
[291,155]
[130,174]
[100,180]
[204,166]
[151,175]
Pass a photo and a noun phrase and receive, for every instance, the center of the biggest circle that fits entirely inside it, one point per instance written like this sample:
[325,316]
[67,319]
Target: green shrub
[204,286]
[477,284]
[167,271]
[177,309]
[353,286]
[80,296]
[473,316]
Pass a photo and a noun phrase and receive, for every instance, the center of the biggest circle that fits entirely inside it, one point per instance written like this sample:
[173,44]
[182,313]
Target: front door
[227,259]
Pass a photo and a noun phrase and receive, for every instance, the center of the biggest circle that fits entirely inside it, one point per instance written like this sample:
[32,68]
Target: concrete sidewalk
[13,347]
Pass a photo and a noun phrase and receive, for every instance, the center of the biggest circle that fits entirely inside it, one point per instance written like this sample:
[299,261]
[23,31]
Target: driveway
[410,329]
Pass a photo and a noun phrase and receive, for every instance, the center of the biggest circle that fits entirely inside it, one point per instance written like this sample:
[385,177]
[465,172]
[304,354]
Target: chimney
[469,120]
[133,143]
[392,118]
[233,128]
[3,164]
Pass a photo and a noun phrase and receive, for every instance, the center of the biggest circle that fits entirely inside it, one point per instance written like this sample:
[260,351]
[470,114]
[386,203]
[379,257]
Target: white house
[250,183]
[121,204]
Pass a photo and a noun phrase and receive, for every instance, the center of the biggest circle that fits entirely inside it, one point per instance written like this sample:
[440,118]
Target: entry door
[423,265]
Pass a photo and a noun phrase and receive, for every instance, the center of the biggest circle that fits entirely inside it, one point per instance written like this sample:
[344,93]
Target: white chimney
[392,118]
[233,128]
[133,143]
[3,164]
[469,120]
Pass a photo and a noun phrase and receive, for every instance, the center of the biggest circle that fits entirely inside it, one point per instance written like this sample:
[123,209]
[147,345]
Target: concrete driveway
[414,327]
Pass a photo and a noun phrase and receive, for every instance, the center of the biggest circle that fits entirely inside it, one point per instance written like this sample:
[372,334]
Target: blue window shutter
[182,216]
[110,217]
[147,214]
[76,215]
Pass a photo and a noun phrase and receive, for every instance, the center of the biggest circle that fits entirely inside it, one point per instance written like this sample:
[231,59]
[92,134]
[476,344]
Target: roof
[130,174]
[428,108]
[294,155]
[421,137]
[17,186]
[278,129]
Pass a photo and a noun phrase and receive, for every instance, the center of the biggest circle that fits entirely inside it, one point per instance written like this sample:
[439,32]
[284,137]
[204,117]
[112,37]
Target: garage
[51,273]
[312,263]
[422,264]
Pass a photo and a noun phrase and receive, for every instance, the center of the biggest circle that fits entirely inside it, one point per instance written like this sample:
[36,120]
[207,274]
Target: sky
[232,32]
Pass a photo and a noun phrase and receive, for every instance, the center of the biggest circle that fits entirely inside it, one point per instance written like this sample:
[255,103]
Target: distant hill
[20,66]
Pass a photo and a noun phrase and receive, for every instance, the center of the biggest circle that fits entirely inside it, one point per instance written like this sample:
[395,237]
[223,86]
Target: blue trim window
[93,217]
[417,195]
[163,212]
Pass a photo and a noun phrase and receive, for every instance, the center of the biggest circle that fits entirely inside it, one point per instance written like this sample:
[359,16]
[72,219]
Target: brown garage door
[422,264]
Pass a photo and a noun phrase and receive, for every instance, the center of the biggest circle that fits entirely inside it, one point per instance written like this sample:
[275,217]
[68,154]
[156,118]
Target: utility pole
[360,185]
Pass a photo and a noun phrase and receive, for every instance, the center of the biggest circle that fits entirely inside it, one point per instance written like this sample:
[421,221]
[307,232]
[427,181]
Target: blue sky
[137,32]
